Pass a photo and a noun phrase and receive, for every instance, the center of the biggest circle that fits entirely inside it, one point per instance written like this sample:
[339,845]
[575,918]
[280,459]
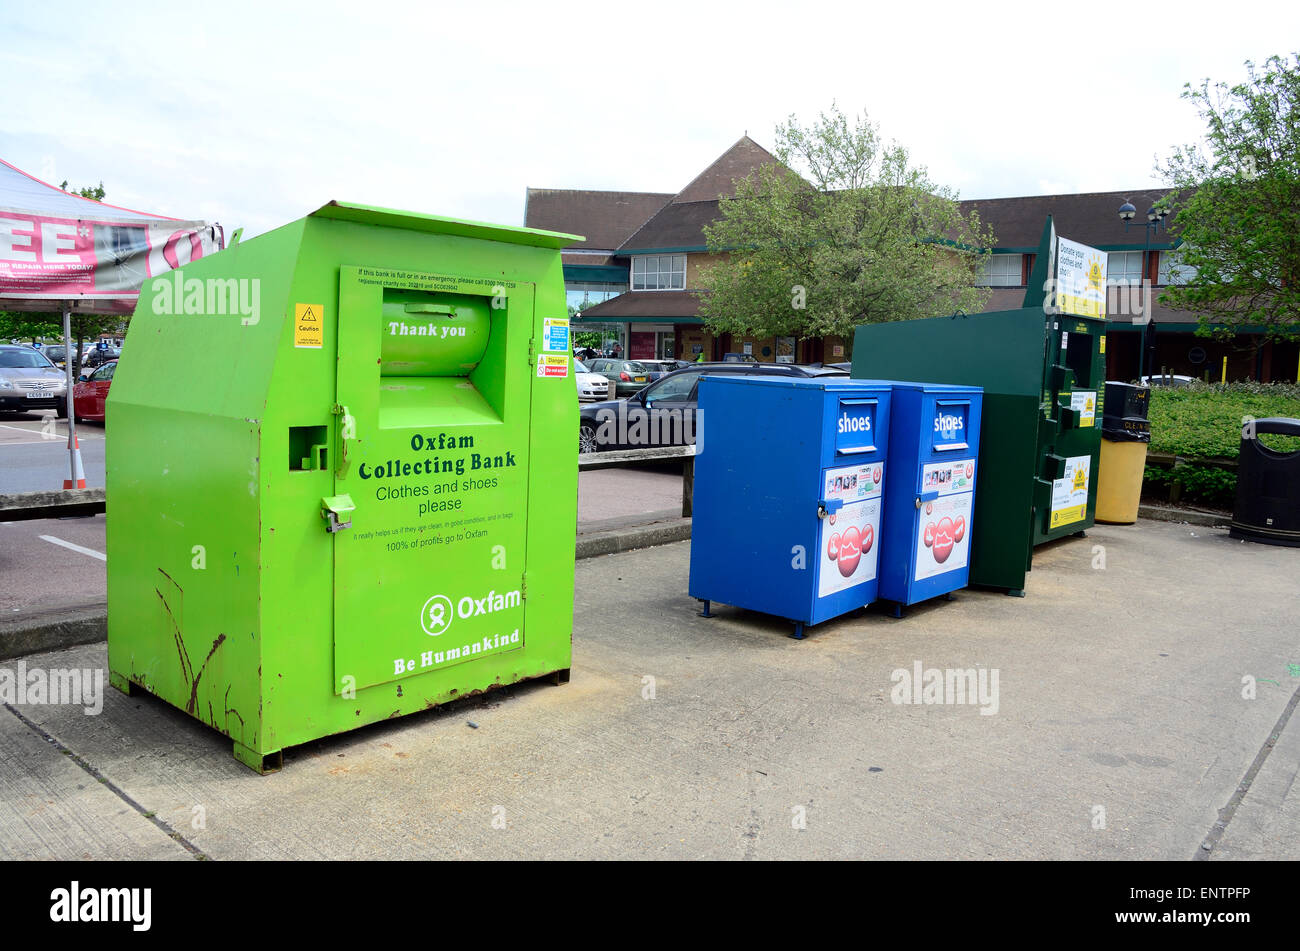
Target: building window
[583,295]
[659,272]
[1125,266]
[1000,270]
[1173,270]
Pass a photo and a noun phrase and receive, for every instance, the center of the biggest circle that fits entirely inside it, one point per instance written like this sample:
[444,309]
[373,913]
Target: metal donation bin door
[850,501]
[929,522]
[428,417]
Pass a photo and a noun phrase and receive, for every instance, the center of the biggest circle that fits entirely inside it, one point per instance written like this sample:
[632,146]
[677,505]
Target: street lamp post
[1155,215]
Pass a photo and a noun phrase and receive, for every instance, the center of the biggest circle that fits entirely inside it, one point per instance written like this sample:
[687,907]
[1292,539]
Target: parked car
[89,395]
[96,357]
[663,413]
[659,368]
[628,376]
[591,386]
[29,381]
[56,354]
[1168,379]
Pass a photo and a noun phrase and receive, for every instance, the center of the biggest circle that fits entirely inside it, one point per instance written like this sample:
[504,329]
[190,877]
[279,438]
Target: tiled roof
[718,180]
[642,221]
[676,225]
[607,217]
[1091,218]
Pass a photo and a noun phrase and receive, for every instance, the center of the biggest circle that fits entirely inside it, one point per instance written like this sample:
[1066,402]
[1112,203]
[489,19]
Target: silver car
[29,381]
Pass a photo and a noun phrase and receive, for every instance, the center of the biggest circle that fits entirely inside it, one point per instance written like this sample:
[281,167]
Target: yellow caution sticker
[1102,340]
[309,326]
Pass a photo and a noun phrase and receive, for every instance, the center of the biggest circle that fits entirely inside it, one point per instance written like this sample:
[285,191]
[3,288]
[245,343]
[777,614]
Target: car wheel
[61,411]
[587,438]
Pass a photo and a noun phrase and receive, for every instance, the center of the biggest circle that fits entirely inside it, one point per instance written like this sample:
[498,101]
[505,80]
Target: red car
[89,395]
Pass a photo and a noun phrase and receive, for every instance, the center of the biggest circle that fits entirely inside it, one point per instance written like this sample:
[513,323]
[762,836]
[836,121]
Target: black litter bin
[1268,486]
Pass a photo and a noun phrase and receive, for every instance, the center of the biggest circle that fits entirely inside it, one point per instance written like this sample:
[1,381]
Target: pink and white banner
[50,258]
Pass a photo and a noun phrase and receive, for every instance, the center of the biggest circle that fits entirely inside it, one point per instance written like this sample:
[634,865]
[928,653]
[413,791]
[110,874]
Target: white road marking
[85,551]
[58,435]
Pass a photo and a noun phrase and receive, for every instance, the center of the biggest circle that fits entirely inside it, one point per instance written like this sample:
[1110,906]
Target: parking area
[52,564]
[1141,710]
[34,452]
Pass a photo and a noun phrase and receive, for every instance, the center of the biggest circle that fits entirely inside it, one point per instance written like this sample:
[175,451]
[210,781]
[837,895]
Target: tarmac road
[41,575]
[1121,730]
[34,452]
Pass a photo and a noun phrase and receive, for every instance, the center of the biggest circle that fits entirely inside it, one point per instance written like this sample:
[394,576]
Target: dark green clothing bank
[1042,375]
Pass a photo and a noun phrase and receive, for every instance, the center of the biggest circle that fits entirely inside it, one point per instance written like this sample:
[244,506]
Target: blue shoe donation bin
[789,492]
[934,433]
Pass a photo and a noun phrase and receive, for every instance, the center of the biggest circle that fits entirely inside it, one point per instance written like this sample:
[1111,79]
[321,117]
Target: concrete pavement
[1121,731]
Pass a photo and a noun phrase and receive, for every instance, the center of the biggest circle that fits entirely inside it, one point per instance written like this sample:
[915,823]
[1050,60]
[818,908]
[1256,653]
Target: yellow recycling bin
[1125,433]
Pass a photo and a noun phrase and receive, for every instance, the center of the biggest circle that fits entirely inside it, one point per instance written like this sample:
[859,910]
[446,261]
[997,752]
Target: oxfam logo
[436,615]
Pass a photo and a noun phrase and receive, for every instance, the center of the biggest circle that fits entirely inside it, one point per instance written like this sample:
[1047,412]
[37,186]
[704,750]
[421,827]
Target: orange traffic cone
[78,480]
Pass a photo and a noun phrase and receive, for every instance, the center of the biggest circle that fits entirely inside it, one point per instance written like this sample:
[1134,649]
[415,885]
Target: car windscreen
[635,368]
[23,359]
[579,367]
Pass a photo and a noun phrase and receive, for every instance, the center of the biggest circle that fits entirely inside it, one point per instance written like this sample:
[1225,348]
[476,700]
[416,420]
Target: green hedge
[1201,421]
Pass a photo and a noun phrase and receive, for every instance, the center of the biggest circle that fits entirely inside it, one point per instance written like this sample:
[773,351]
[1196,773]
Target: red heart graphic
[943,541]
[929,534]
[970,470]
[833,547]
[850,551]
[868,536]
[959,529]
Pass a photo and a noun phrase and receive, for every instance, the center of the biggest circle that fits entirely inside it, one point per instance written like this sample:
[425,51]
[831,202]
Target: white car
[1169,379]
[591,386]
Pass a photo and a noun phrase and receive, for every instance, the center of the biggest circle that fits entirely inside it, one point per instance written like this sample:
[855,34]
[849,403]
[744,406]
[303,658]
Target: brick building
[636,275]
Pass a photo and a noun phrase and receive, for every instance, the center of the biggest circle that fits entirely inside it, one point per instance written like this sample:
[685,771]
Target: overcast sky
[253,114]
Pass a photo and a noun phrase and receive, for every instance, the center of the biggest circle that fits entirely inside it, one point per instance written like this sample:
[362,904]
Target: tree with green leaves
[1236,199]
[95,193]
[29,326]
[845,231]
